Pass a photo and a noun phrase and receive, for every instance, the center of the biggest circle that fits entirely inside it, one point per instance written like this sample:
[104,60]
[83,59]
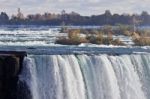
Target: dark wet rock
[11,66]
[10,77]
[1,67]
[1,77]
[9,70]
[10,88]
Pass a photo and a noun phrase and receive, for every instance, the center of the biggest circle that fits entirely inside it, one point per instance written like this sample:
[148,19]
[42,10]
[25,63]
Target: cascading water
[87,76]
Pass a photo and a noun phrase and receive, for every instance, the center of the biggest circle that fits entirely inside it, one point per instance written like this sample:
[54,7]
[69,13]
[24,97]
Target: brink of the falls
[87,76]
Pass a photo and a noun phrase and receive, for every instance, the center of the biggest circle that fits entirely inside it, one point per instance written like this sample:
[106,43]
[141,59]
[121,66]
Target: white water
[87,77]
[29,36]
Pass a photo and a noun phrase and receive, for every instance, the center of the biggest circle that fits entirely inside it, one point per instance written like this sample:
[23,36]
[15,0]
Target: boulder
[11,66]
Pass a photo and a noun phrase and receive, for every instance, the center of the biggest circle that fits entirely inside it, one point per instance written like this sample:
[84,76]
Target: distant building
[74,14]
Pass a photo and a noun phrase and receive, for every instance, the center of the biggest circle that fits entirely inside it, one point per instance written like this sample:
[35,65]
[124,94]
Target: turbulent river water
[29,36]
[87,76]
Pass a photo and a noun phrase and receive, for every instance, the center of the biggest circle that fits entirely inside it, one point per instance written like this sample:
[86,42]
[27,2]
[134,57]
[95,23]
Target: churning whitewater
[87,76]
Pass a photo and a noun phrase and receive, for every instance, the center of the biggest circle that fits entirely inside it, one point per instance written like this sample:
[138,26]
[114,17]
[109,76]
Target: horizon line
[69,12]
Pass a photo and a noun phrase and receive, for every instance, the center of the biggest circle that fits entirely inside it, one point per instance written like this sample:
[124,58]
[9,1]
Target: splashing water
[87,77]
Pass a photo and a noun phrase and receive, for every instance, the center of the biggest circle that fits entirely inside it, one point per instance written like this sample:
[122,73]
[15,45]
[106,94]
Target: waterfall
[87,76]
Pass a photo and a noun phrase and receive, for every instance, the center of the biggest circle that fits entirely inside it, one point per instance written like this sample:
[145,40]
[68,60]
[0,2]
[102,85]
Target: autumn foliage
[96,37]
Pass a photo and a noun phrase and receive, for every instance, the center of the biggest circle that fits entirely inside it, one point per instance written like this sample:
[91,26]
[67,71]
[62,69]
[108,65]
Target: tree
[136,21]
[4,18]
[107,17]
[145,17]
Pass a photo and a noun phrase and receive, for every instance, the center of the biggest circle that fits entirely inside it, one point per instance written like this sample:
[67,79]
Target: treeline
[74,18]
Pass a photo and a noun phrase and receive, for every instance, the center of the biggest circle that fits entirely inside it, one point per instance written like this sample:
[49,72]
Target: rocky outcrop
[10,77]
[10,67]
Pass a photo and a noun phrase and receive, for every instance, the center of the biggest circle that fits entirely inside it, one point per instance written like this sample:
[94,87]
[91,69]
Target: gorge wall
[10,68]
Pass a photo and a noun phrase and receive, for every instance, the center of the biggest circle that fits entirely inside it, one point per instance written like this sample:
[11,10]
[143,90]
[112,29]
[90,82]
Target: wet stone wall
[9,67]
[10,86]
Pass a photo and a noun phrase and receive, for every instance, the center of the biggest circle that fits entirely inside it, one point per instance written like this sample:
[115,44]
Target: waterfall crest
[87,76]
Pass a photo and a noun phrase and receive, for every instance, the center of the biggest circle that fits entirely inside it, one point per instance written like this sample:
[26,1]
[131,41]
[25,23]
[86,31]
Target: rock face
[10,67]
[1,77]
[10,77]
